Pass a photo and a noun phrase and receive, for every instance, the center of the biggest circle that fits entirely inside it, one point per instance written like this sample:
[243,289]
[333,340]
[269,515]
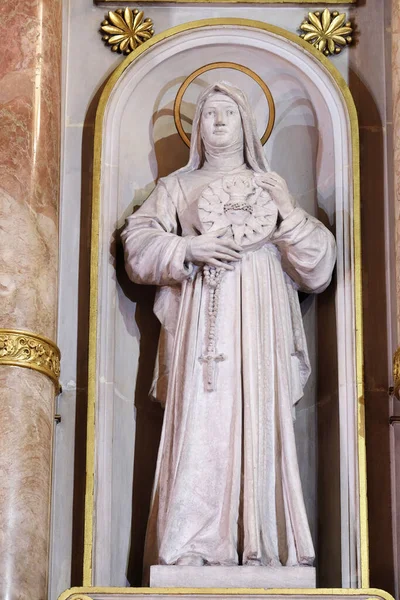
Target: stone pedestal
[232,577]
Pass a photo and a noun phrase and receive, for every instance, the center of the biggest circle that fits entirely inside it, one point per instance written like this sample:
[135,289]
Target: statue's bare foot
[190,560]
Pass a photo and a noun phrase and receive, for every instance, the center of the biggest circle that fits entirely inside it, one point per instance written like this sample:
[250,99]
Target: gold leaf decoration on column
[328,31]
[125,29]
[26,349]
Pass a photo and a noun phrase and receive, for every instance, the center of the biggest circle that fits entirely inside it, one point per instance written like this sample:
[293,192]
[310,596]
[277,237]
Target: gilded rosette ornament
[125,30]
[328,31]
[25,349]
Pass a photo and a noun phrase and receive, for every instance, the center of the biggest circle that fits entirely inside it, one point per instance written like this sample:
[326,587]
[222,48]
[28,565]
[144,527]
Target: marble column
[396,139]
[396,134]
[30,50]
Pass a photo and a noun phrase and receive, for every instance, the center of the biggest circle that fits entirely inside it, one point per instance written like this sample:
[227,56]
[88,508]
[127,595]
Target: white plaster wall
[87,63]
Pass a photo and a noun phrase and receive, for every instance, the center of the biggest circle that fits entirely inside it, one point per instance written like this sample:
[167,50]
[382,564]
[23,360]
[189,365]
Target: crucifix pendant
[212,278]
[209,361]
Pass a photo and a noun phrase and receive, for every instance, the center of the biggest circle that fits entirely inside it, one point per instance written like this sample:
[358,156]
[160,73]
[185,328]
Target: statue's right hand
[211,249]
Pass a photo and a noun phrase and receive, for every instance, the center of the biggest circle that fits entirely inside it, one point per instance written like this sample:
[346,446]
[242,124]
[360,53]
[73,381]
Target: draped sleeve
[154,252]
[308,250]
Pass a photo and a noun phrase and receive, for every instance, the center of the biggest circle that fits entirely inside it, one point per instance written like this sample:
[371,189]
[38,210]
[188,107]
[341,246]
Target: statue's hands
[211,249]
[276,186]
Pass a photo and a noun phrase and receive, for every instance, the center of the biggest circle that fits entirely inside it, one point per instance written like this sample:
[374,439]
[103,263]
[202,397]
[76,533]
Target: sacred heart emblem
[239,205]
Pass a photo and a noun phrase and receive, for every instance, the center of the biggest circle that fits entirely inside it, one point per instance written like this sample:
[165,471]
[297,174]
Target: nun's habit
[227,488]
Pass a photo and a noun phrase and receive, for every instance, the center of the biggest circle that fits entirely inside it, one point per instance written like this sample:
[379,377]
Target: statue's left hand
[276,186]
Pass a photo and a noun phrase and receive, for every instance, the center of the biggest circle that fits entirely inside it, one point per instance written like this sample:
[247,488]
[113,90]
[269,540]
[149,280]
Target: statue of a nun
[223,239]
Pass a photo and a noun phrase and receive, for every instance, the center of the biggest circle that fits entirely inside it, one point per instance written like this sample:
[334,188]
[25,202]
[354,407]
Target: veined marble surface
[29,164]
[30,31]
[396,137]
[26,417]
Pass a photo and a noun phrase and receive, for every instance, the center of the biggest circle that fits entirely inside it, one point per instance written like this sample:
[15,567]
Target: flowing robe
[227,485]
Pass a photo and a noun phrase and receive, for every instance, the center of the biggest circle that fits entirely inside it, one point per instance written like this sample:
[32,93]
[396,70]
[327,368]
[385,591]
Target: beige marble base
[232,577]
[160,594]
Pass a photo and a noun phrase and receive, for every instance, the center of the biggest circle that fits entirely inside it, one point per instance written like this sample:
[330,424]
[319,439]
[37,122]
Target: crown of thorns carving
[238,206]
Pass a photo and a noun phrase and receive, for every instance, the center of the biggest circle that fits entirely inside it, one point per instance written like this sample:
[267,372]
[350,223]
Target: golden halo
[223,65]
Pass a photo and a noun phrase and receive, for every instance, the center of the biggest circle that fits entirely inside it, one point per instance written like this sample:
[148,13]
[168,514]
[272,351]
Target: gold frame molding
[319,2]
[83,593]
[223,65]
[20,348]
[98,138]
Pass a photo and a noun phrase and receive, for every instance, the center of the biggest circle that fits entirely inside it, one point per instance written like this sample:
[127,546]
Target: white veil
[253,151]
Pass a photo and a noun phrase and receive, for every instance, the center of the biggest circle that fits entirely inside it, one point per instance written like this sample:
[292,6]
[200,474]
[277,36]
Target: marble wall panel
[369,81]
[396,136]
[395,16]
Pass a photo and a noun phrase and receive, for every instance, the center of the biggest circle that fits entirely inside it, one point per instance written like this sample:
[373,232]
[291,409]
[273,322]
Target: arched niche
[314,145]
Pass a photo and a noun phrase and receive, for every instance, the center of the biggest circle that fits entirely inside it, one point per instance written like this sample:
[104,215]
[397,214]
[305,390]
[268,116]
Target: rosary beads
[212,278]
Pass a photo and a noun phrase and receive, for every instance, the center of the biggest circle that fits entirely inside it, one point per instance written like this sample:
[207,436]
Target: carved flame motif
[126,29]
[328,32]
[236,203]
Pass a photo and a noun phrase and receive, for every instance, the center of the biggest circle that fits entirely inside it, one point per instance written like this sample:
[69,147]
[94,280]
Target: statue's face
[221,123]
